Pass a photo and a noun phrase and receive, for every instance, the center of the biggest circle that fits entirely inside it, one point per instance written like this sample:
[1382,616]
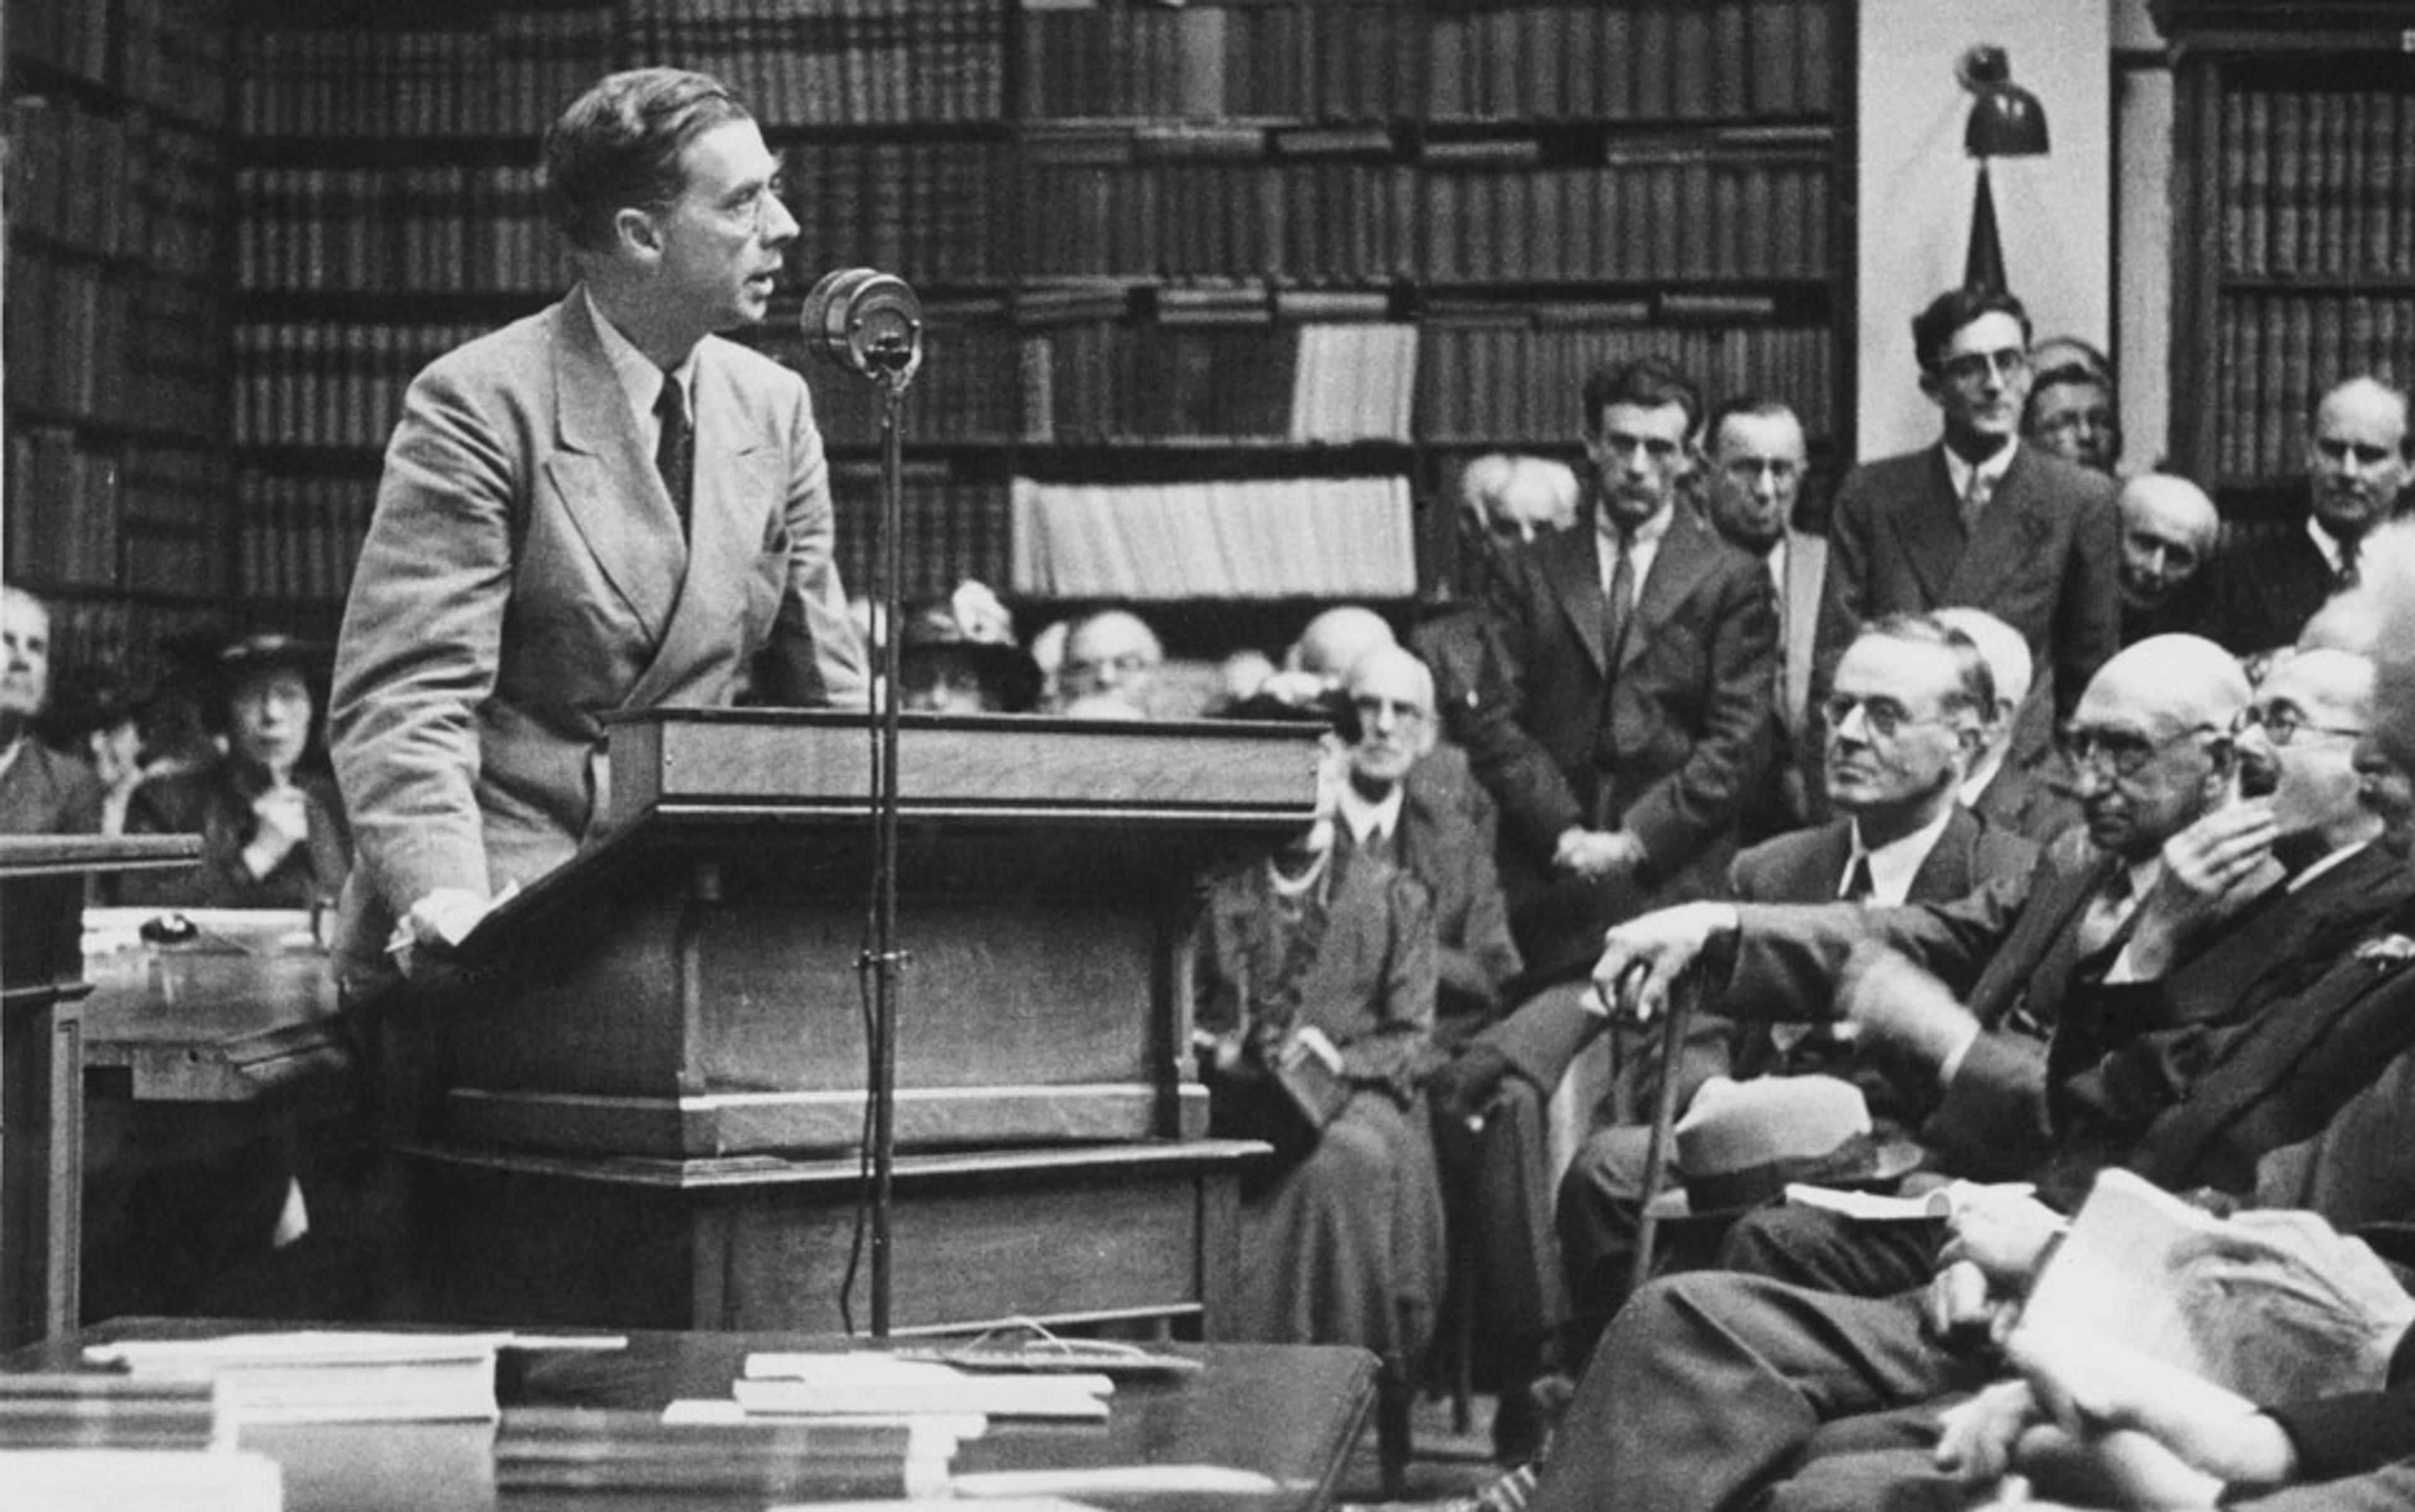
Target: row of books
[964,391]
[97,631]
[1094,210]
[300,534]
[951,528]
[118,186]
[2318,181]
[432,228]
[510,77]
[94,515]
[837,60]
[2280,351]
[1493,381]
[114,347]
[1266,538]
[327,384]
[62,516]
[1380,60]
[172,504]
[932,208]
[1682,216]
[172,54]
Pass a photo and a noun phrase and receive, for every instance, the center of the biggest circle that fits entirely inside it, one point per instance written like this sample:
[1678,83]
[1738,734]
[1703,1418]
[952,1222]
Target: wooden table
[244,1012]
[41,1081]
[1292,1412]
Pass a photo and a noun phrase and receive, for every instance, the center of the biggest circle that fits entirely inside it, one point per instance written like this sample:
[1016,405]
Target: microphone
[868,323]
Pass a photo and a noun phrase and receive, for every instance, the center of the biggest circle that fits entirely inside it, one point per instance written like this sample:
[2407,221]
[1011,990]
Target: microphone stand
[894,368]
[871,324]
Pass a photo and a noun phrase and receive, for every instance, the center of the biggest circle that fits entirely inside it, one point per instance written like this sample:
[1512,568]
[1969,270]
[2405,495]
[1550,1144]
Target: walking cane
[1664,1115]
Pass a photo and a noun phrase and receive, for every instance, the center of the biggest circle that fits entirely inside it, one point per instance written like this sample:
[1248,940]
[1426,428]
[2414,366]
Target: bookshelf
[1194,273]
[2293,207]
[117,335]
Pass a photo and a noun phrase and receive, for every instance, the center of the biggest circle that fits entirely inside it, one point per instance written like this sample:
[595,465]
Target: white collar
[1367,815]
[1894,864]
[2330,859]
[641,380]
[1976,783]
[1995,467]
[1644,535]
[2325,542]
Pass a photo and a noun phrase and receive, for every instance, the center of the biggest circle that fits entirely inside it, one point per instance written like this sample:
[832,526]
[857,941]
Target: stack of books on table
[319,1376]
[114,1443]
[582,1448]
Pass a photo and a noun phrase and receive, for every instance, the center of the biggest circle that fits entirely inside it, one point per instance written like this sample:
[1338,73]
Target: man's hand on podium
[437,924]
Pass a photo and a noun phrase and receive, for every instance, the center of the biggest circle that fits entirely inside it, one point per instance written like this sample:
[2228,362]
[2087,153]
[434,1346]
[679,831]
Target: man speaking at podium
[603,506]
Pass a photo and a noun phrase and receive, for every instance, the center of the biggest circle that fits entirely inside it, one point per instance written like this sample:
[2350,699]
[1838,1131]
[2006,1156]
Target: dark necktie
[675,450]
[1974,500]
[1858,886]
[2108,910]
[2348,549]
[1622,596]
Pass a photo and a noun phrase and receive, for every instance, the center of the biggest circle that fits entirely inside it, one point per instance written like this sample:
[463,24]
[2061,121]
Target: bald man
[2360,457]
[2168,532]
[1110,667]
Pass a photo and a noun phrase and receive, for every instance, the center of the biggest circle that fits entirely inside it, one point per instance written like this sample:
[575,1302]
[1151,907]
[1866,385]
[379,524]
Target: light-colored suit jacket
[1798,611]
[525,575]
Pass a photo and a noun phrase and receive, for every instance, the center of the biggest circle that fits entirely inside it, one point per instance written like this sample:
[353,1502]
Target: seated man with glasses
[1908,715]
[1981,517]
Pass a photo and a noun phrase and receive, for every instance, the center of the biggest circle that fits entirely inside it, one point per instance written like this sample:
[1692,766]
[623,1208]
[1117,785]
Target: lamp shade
[2006,121]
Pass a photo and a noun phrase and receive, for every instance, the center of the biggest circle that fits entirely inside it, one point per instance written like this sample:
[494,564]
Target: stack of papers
[861,1384]
[140,1480]
[328,1377]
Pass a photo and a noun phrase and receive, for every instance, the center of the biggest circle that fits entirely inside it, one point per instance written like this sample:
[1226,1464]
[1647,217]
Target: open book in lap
[2276,1306]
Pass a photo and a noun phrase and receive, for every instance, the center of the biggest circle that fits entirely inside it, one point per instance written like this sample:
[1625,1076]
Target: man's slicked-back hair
[1974,680]
[1756,406]
[1933,327]
[1647,382]
[618,144]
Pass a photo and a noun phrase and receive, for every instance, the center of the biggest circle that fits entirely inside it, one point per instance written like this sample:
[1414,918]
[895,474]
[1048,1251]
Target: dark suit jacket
[2263,588]
[2210,1075]
[46,792]
[1541,1038]
[2044,561]
[2018,800]
[2020,1097]
[1445,841]
[214,802]
[1661,746]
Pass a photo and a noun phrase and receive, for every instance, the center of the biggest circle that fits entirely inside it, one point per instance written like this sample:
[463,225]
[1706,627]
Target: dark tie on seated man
[2189,1083]
[1907,715]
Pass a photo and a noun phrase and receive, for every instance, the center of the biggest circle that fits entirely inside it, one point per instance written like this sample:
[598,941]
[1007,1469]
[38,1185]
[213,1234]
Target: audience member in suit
[1981,519]
[603,506]
[2073,412]
[1636,658]
[1342,1232]
[42,792]
[272,825]
[1407,799]
[2026,802]
[1907,712]
[2358,458]
[1717,1382]
[1505,502]
[1752,482]
[2170,530]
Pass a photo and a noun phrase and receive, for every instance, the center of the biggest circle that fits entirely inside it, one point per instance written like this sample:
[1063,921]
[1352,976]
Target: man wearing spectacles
[2360,457]
[1906,719]
[1980,518]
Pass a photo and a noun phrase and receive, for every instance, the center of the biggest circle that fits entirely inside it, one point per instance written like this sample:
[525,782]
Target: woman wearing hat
[272,826]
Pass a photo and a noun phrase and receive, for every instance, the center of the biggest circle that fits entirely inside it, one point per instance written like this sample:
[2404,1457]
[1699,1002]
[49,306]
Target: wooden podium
[655,1093]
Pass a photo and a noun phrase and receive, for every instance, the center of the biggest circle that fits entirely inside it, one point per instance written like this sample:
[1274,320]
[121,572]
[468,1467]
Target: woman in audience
[272,826]
[1342,1230]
